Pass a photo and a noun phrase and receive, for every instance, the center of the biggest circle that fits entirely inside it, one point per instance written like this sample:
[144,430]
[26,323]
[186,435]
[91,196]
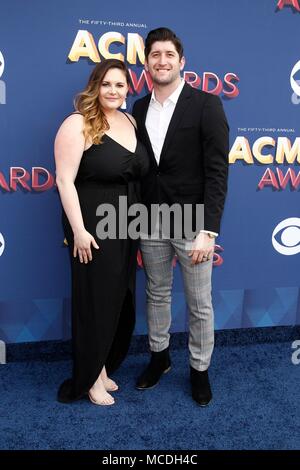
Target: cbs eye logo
[288,233]
[2,83]
[2,244]
[1,64]
[295,84]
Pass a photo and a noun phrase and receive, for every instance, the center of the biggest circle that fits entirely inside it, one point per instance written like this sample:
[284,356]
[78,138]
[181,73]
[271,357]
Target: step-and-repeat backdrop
[245,51]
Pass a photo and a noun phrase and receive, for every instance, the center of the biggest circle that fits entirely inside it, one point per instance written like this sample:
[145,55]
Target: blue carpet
[256,405]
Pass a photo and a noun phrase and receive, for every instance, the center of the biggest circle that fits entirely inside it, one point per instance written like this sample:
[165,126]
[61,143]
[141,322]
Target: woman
[98,159]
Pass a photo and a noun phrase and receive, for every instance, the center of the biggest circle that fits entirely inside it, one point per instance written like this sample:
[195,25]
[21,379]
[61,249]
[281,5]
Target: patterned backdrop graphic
[245,51]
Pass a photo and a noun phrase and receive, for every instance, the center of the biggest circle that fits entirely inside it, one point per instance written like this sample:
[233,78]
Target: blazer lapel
[144,129]
[179,110]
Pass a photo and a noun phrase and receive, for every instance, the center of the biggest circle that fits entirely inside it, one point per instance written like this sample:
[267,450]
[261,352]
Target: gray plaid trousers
[157,257]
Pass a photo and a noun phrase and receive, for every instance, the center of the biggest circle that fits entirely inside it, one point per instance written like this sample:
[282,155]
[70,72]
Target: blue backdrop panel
[245,51]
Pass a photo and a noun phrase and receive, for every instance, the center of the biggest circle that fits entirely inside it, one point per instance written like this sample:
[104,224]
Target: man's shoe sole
[152,386]
[203,405]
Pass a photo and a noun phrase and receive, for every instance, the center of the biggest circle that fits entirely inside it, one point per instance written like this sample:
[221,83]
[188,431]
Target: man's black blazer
[193,166]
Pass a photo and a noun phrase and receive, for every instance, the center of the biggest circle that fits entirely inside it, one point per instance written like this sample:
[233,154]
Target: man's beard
[164,81]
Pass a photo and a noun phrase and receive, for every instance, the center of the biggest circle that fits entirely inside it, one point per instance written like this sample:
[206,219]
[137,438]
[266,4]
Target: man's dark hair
[162,34]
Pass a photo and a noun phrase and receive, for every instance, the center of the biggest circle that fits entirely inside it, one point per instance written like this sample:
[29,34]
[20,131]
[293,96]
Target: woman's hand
[82,244]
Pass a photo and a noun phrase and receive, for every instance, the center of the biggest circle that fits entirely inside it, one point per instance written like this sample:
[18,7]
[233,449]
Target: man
[186,134]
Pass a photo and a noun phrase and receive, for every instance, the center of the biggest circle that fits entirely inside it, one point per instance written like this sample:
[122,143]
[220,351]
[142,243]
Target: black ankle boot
[159,364]
[201,391]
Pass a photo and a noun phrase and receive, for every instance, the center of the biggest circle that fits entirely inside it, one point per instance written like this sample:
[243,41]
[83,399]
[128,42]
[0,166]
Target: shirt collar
[173,97]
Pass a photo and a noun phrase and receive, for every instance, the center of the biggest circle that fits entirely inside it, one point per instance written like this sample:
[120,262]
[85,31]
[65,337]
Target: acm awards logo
[291,3]
[2,83]
[284,152]
[132,52]
[217,258]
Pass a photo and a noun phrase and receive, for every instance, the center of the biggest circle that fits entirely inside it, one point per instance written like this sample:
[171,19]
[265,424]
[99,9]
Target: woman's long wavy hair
[87,102]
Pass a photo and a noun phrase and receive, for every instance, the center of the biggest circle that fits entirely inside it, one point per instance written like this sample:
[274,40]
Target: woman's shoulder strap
[71,114]
[129,119]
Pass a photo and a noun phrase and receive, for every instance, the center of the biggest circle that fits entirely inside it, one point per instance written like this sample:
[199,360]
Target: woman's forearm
[70,202]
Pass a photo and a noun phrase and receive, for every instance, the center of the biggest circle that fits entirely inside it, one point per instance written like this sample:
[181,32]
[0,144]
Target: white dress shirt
[159,117]
[157,122]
